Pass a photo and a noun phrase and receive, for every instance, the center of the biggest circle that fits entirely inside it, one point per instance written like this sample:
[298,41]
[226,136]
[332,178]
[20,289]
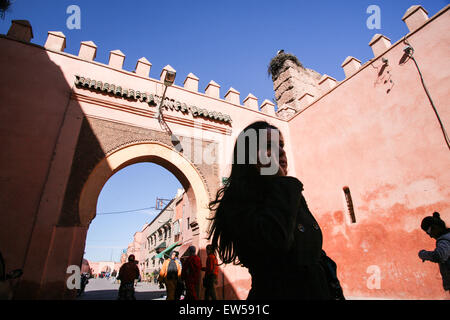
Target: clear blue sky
[134,187]
[228,41]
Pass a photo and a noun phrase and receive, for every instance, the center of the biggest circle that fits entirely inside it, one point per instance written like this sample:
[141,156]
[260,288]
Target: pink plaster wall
[388,148]
[31,116]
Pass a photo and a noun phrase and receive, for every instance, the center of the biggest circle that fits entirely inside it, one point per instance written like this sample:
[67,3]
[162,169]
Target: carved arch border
[138,151]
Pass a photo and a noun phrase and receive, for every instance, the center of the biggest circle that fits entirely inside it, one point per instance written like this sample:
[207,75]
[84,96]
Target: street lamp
[169,79]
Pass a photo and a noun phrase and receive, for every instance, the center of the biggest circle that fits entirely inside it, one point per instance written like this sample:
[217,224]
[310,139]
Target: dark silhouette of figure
[128,272]
[211,272]
[261,217]
[435,227]
[191,273]
[6,287]
[169,274]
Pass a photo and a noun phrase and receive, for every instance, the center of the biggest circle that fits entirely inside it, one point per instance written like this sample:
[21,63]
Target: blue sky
[228,41]
[134,187]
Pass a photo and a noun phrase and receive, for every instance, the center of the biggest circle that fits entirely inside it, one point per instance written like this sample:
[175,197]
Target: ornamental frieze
[152,100]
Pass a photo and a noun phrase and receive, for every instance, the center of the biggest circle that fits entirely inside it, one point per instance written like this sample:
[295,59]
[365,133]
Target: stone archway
[155,152]
[102,148]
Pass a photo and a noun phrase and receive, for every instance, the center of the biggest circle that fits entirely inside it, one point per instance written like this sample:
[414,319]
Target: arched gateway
[155,152]
[92,120]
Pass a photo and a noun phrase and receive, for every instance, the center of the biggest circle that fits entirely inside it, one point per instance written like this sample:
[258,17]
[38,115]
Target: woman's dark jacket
[280,242]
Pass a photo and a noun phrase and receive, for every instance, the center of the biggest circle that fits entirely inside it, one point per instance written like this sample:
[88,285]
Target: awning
[162,245]
[165,253]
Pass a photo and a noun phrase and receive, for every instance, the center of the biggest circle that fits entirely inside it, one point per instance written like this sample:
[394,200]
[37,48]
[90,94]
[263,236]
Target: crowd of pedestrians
[177,277]
[185,276]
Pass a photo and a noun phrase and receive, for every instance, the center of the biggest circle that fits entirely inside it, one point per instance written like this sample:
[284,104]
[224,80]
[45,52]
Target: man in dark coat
[128,272]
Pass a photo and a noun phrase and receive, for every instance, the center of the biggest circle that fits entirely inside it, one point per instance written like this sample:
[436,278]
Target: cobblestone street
[103,289]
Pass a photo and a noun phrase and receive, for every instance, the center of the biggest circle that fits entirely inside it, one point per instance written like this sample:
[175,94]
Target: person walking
[435,227]
[261,212]
[211,272]
[169,274]
[191,273]
[128,272]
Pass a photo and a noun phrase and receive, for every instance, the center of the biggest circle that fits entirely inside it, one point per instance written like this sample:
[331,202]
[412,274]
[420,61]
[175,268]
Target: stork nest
[276,65]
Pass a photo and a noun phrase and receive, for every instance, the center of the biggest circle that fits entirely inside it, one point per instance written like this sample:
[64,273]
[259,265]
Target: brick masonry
[98,138]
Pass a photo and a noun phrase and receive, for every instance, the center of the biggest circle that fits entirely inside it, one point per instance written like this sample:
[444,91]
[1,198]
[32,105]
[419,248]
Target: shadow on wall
[43,152]
[50,149]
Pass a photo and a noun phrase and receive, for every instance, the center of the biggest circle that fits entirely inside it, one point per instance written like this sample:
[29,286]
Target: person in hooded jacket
[435,227]
[170,274]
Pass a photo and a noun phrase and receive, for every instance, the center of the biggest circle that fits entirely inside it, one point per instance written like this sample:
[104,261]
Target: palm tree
[4,6]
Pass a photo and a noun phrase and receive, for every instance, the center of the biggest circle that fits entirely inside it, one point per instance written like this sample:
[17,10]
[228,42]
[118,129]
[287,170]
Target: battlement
[21,30]
[297,87]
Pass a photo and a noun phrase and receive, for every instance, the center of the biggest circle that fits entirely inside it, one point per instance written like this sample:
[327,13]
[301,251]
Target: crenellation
[414,17]
[213,89]
[233,96]
[350,66]
[379,44]
[116,59]
[164,71]
[268,107]
[251,102]
[326,83]
[305,100]
[285,112]
[20,30]
[56,40]
[191,82]
[286,83]
[143,67]
[88,50]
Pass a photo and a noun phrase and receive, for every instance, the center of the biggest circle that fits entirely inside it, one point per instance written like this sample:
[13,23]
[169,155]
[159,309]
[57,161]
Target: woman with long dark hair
[262,221]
